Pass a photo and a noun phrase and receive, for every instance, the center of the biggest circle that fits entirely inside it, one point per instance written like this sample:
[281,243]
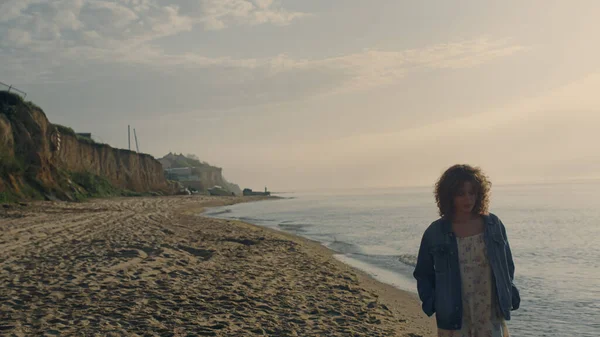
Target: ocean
[553,229]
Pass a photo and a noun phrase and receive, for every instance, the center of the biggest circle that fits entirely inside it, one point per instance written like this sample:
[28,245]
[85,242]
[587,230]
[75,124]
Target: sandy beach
[154,267]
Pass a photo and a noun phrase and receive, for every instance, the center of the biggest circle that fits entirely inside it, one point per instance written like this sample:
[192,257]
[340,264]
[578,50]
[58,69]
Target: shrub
[10,98]
[65,130]
[32,105]
[9,164]
[95,185]
[128,193]
[7,197]
[86,140]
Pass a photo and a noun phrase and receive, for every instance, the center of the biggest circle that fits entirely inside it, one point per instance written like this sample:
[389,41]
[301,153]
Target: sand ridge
[149,267]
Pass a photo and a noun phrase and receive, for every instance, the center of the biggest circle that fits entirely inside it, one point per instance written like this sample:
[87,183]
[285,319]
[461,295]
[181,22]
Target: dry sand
[152,267]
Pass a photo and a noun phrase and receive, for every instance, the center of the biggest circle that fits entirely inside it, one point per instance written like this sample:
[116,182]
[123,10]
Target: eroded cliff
[42,160]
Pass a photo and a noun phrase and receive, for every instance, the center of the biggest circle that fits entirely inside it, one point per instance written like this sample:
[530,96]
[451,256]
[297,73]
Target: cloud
[18,38]
[40,38]
[528,129]
[546,136]
[104,14]
[122,30]
[219,14]
[375,68]
[135,20]
[368,68]
[12,9]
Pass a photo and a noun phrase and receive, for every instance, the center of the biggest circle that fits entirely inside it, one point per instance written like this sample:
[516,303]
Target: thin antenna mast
[136,142]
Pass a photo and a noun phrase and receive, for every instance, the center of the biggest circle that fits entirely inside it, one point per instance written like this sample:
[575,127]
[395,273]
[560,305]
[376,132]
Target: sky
[313,94]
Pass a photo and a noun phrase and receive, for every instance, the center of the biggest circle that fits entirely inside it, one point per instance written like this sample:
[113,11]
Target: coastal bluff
[198,175]
[41,160]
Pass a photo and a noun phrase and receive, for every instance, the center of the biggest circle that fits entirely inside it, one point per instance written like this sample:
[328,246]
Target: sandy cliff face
[38,160]
[123,168]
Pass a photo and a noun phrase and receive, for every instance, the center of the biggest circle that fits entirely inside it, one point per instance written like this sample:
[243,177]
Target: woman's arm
[425,276]
[516,298]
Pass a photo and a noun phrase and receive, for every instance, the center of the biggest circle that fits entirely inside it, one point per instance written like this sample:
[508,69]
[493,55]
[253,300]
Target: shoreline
[405,303]
[335,254]
[133,266]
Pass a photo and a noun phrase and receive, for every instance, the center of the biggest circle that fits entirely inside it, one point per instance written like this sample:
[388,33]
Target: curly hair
[452,180]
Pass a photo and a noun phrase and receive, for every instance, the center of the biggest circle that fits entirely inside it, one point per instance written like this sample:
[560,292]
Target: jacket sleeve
[516,298]
[425,276]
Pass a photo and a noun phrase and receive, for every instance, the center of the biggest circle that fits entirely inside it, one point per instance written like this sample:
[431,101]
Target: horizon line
[499,184]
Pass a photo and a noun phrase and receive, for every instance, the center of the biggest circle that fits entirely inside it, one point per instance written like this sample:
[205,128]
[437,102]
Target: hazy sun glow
[309,94]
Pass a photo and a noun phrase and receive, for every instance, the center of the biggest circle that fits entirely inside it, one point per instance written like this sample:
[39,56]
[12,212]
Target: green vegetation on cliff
[12,163]
[9,164]
[189,160]
[95,186]
[65,130]
[11,100]
[40,160]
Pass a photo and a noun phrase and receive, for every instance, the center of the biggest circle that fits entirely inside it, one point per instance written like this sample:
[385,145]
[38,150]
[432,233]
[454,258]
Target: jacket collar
[447,223]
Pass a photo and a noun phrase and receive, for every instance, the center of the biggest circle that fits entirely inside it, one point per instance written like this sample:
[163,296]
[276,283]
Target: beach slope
[153,267]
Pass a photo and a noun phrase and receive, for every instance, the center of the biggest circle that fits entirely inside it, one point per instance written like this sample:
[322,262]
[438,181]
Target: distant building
[249,192]
[181,171]
[181,174]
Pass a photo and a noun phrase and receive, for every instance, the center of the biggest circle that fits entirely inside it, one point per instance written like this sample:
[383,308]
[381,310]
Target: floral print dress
[481,317]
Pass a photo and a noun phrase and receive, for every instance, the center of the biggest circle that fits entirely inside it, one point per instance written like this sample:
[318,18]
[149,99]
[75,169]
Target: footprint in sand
[204,254]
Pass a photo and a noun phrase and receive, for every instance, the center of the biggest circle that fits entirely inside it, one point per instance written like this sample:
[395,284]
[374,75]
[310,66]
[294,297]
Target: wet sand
[153,267]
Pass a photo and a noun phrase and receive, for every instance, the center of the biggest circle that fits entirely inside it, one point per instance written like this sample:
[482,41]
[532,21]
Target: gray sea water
[553,229]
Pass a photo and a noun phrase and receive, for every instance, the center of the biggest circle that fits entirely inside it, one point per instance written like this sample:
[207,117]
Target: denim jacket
[438,274]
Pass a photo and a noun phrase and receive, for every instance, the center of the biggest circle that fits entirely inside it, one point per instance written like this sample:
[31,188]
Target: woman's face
[465,198]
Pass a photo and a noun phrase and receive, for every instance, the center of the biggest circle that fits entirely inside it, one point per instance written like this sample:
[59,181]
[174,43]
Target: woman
[465,268]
